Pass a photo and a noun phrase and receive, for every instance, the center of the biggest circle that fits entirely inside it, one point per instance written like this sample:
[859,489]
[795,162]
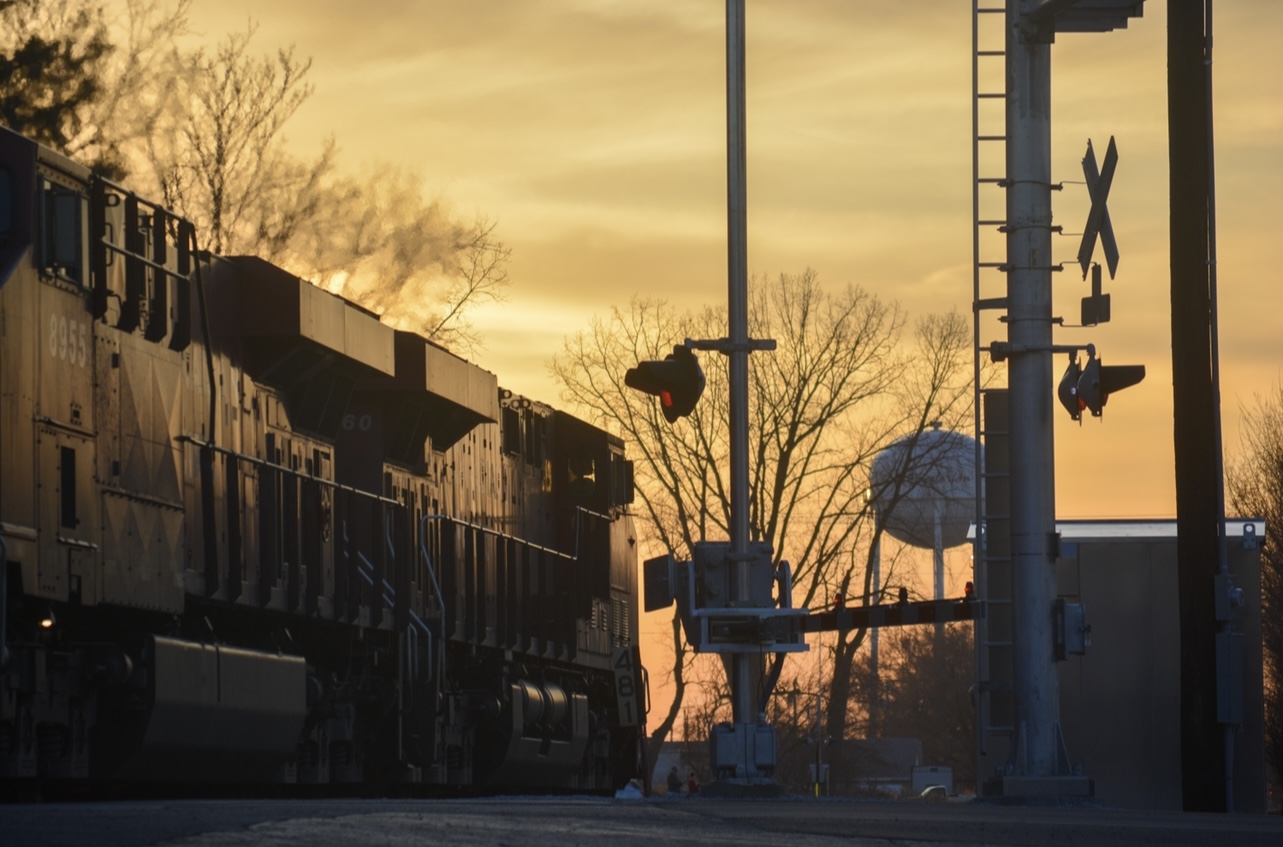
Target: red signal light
[677,380]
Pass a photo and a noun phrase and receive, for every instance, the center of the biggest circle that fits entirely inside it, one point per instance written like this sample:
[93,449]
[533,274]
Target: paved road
[546,822]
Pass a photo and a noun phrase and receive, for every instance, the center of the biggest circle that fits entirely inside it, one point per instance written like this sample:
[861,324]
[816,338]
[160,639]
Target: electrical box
[1073,634]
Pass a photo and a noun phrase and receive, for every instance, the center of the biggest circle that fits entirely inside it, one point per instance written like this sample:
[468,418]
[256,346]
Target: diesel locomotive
[251,534]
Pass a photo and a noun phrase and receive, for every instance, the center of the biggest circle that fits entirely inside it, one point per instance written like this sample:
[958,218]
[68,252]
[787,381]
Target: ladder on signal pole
[994,633]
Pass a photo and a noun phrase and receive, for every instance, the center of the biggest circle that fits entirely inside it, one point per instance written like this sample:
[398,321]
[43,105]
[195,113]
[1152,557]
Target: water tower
[924,489]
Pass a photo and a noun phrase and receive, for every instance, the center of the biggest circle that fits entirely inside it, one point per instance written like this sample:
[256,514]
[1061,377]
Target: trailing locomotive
[252,534]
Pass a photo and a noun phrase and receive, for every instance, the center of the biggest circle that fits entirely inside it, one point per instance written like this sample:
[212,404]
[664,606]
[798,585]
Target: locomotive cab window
[621,480]
[536,437]
[511,431]
[64,233]
[583,475]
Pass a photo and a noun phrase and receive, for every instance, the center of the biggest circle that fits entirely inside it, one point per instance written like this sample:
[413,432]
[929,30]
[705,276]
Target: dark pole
[743,702]
[1195,407]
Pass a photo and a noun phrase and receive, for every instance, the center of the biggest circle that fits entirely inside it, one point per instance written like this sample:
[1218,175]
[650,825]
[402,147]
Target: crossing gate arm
[894,614]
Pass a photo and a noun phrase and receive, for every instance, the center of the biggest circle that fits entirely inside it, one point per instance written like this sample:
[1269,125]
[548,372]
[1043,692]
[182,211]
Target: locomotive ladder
[993,634]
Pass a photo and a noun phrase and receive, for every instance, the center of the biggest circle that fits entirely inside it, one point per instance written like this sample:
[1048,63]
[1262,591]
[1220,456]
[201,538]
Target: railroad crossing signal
[1096,304]
[678,382]
[1098,223]
[1067,391]
[1089,386]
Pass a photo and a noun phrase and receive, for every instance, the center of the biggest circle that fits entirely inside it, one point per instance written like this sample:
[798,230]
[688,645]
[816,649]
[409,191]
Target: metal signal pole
[1029,332]
[742,699]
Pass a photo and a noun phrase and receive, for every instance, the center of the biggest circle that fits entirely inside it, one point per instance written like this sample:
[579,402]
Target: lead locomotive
[250,533]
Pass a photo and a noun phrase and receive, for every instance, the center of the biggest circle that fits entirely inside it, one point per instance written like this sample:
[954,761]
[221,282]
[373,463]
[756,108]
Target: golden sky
[594,132]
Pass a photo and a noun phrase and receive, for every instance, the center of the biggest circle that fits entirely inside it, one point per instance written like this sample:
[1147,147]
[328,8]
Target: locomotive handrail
[436,589]
[432,571]
[489,530]
[150,499]
[574,557]
[156,266]
[411,633]
[367,573]
[110,246]
[337,486]
[389,592]
[120,189]
[254,460]
[427,560]
[388,541]
[54,422]
[390,597]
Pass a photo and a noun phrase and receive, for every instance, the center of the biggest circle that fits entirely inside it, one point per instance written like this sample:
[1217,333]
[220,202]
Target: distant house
[876,766]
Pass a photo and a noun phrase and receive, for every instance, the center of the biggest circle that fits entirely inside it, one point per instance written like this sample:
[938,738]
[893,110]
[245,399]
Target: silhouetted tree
[221,158]
[926,694]
[84,83]
[379,240]
[1255,485]
[833,393]
[224,149]
[933,389]
[51,68]
[203,130]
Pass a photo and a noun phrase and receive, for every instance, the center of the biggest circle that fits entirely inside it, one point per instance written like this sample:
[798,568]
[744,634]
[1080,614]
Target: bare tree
[482,277]
[223,161]
[926,694]
[823,404]
[207,128]
[1255,484]
[378,240]
[83,82]
[53,58]
[140,83]
[226,145]
[933,389]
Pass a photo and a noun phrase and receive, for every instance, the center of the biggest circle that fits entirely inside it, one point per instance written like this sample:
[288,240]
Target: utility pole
[1195,405]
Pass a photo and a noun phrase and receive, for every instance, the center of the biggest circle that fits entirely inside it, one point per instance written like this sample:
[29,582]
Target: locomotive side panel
[140,390]
[47,428]
[18,346]
[18,369]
